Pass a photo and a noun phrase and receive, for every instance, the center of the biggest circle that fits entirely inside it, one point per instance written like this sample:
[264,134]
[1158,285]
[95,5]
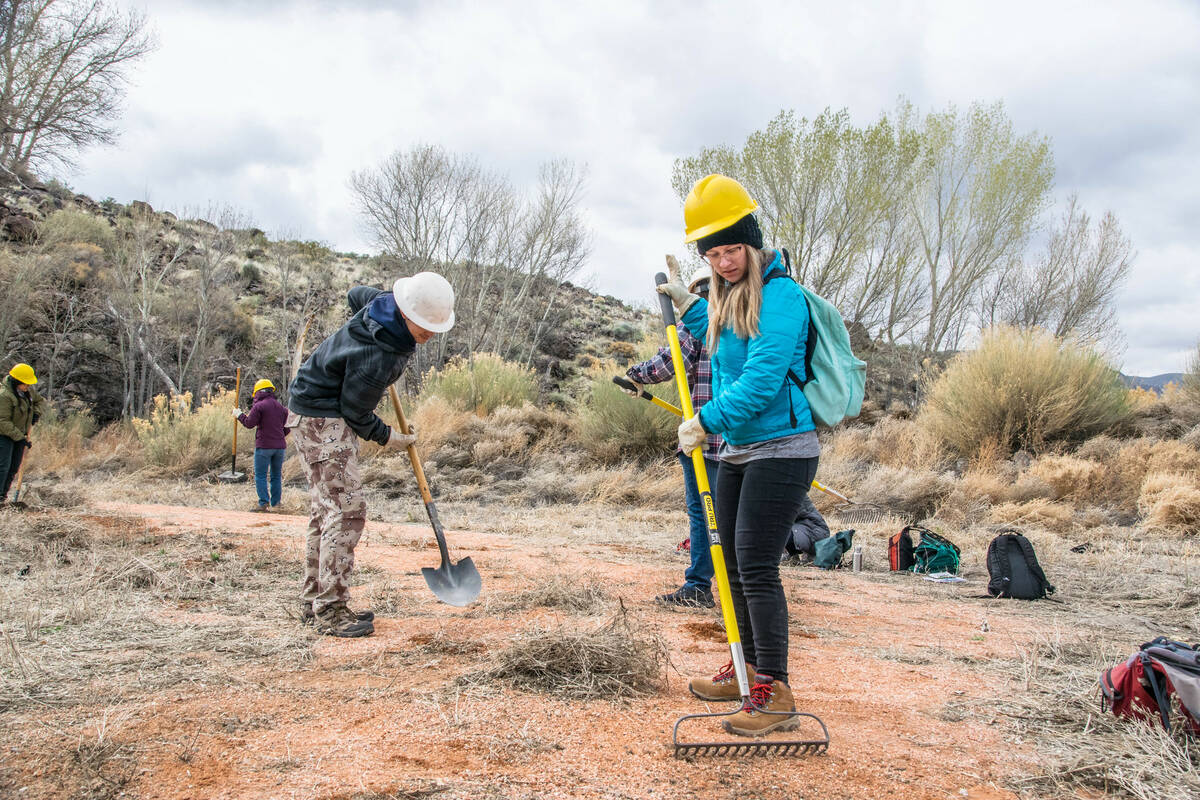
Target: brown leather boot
[722,686]
[767,694]
[338,620]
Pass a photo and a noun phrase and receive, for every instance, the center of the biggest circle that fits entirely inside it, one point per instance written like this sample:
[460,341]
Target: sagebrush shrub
[1171,502]
[614,426]
[70,226]
[481,384]
[1191,379]
[1023,389]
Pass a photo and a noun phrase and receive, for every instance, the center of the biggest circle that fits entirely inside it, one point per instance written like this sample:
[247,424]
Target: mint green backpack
[836,378]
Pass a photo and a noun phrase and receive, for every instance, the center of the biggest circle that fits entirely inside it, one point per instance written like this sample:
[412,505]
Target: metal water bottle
[856,559]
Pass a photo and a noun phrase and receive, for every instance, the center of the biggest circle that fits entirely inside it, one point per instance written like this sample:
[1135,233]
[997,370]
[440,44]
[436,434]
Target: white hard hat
[427,299]
[702,274]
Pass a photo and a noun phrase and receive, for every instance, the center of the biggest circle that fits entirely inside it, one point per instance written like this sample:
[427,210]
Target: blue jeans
[265,458]
[699,574]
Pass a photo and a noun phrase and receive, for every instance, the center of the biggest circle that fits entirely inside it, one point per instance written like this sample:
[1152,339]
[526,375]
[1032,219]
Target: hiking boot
[307,617]
[722,686]
[259,509]
[767,694]
[688,598]
[338,620]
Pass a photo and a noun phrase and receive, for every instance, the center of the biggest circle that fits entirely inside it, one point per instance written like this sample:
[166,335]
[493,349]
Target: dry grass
[617,659]
[571,592]
[482,384]
[1171,502]
[108,602]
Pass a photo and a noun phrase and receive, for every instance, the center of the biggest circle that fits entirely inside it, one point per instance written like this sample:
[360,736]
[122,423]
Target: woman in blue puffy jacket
[756,322]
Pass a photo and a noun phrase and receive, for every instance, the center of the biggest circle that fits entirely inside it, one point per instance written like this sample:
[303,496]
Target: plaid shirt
[660,369]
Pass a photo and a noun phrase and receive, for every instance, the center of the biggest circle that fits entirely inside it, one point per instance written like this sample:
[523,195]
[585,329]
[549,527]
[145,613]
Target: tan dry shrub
[439,423]
[1142,457]
[915,493]
[1171,502]
[1100,448]
[658,485]
[1041,513]
[1022,389]
[893,442]
[1140,398]
[1190,385]
[1192,438]
[1078,479]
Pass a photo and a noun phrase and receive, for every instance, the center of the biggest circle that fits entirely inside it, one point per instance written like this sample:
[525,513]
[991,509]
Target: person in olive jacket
[20,407]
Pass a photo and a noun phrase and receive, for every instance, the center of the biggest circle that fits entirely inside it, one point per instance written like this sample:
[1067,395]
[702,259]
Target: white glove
[399,441]
[676,290]
[691,435]
[638,389]
[237,413]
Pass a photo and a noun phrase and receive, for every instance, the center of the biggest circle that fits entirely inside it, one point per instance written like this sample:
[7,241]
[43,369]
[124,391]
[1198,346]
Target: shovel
[453,584]
[16,501]
[233,476]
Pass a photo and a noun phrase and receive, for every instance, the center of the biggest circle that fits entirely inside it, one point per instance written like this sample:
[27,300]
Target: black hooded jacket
[348,374]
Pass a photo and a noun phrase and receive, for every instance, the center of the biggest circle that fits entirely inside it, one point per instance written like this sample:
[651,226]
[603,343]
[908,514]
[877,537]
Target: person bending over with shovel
[332,401]
[268,417]
[755,322]
[696,591]
[20,407]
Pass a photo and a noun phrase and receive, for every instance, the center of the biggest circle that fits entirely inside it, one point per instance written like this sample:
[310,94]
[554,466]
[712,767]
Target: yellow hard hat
[23,373]
[263,383]
[715,203]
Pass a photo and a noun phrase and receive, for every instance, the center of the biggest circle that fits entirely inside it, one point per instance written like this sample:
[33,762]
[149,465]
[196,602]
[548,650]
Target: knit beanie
[744,231]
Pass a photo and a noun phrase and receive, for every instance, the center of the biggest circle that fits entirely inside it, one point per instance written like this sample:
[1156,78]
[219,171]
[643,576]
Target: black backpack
[1013,569]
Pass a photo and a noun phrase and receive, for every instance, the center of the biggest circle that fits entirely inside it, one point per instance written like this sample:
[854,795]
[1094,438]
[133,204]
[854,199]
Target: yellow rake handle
[710,516]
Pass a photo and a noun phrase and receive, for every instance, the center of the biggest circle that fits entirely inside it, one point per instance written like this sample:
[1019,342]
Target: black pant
[11,453]
[756,504]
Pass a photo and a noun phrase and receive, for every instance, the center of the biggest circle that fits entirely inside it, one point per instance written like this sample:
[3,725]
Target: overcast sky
[269,105]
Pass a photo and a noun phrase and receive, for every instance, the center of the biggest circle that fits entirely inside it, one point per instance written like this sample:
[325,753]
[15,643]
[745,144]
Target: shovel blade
[454,584]
[232,477]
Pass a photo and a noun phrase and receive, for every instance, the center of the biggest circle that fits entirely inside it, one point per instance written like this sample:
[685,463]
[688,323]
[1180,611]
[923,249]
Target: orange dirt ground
[877,657]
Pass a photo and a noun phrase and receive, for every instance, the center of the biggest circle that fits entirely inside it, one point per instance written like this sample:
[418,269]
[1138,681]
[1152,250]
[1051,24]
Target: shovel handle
[426,495]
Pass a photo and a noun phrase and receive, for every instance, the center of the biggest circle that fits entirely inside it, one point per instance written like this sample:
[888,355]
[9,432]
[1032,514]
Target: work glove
[237,413]
[638,389]
[691,435]
[28,444]
[676,290]
[399,441]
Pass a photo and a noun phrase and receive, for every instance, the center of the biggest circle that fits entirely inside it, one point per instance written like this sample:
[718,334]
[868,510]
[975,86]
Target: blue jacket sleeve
[696,319]
[783,319]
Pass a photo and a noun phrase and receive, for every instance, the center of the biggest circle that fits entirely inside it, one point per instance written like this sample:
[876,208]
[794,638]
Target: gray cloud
[270,105]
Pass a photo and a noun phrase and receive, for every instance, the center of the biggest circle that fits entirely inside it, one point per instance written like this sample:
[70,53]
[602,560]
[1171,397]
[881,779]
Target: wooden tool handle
[426,495]
[237,391]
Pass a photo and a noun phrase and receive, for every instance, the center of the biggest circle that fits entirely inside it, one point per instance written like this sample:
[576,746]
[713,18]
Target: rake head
[859,513]
[759,746]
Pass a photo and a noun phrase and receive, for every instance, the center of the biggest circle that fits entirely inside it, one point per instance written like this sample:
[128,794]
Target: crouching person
[332,404]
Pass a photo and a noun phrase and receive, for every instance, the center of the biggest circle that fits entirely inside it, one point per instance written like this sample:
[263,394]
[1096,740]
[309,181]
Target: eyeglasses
[716,256]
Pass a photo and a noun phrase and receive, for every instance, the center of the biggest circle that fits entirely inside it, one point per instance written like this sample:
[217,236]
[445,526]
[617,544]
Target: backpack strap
[998,566]
[1158,689]
[785,272]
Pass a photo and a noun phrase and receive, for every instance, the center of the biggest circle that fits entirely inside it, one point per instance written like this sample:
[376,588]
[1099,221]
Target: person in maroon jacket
[267,416]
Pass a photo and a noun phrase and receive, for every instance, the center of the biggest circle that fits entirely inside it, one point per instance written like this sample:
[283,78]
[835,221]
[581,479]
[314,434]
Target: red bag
[900,550]
[1142,687]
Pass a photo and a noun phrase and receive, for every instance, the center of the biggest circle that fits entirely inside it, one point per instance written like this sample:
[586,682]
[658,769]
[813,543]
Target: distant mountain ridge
[1155,383]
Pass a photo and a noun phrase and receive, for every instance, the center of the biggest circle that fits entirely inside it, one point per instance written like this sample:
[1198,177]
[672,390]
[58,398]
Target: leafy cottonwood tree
[909,223]
[63,68]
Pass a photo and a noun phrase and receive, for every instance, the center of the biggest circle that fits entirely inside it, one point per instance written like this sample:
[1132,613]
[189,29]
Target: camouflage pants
[338,511]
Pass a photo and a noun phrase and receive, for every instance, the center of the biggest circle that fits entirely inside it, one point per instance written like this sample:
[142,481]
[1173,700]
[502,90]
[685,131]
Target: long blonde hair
[737,305]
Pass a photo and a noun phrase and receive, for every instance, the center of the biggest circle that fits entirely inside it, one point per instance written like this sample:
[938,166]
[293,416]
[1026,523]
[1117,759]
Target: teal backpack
[835,379]
[934,553]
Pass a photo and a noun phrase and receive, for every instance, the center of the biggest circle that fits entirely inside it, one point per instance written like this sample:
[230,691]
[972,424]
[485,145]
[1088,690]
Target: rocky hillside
[116,303]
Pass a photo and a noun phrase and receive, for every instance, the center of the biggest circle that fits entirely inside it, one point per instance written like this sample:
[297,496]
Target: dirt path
[882,659]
